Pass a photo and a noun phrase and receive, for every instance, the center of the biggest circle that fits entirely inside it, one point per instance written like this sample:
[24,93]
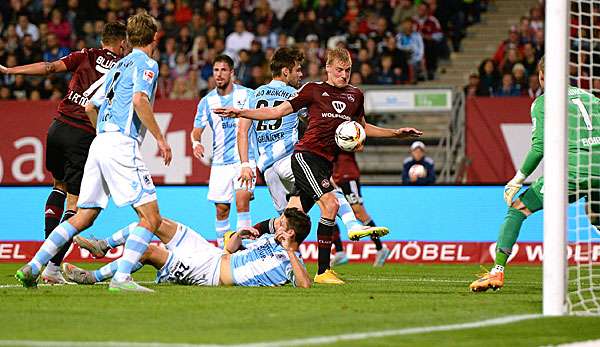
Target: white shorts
[114,167]
[192,260]
[224,182]
[280,181]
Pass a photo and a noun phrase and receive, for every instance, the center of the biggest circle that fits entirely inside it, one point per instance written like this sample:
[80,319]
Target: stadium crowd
[392,42]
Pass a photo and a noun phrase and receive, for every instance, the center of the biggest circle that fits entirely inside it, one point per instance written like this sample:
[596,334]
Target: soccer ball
[349,135]
[417,170]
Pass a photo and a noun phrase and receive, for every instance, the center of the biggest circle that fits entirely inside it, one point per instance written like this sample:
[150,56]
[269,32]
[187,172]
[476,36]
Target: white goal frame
[555,151]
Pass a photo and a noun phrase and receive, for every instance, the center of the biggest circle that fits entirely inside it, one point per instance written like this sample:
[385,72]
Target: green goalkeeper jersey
[583,137]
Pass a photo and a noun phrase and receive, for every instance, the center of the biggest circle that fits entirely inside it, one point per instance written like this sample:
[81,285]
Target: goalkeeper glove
[513,187]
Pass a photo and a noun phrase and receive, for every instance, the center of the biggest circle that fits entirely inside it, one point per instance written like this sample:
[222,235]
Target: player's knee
[520,206]
[148,254]
[154,221]
[222,211]
[331,203]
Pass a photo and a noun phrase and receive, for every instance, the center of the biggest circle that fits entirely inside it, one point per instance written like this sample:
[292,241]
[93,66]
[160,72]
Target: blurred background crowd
[393,42]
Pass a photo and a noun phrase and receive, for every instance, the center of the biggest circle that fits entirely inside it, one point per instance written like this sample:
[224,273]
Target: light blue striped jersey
[275,139]
[137,72]
[263,264]
[224,129]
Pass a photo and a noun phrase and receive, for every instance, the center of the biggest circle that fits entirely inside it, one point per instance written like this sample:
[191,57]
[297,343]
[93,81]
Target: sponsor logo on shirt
[338,106]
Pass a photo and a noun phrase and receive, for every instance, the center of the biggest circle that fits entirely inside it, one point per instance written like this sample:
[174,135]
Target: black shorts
[351,190]
[67,149]
[311,173]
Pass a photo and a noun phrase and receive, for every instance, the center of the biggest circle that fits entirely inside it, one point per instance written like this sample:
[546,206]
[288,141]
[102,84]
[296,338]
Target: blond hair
[141,29]
[338,54]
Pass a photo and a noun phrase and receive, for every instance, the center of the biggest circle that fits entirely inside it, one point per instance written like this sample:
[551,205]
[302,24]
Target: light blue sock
[119,238]
[244,219]
[109,270]
[345,212]
[221,227]
[135,246]
[62,234]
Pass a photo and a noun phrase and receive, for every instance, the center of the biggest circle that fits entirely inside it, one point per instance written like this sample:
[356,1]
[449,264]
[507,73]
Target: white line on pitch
[588,343]
[319,340]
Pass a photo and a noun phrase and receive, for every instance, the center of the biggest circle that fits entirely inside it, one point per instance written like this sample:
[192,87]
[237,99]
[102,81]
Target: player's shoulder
[408,160]
[428,160]
[311,85]
[537,103]
[355,90]
[143,61]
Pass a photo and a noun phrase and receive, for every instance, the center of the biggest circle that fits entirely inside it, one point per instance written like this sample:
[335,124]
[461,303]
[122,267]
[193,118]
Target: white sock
[497,268]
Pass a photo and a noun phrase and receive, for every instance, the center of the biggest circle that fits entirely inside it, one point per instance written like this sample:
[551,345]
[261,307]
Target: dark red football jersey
[88,68]
[345,167]
[328,107]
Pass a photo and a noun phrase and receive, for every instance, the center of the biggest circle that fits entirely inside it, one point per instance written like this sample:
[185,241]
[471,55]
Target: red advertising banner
[23,140]
[498,136]
[361,252]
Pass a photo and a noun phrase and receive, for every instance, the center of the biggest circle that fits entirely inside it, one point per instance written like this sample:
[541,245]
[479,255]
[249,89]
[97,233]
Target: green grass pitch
[393,297]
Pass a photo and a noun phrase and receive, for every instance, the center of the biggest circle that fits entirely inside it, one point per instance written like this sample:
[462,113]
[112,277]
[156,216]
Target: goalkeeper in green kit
[583,173]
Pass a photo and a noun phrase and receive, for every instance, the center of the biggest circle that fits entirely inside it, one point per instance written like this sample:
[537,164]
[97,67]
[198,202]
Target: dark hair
[298,221]
[141,29]
[285,57]
[224,58]
[113,32]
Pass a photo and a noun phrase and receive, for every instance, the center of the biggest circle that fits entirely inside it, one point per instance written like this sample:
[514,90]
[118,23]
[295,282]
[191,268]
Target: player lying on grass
[584,175]
[272,260]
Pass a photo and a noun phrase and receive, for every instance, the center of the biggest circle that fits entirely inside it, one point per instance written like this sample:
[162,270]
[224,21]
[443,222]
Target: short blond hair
[338,54]
[141,29]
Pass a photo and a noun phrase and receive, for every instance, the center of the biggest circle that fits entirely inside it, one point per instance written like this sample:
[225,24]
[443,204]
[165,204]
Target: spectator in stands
[539,44]
[418,169]
[182,66]
[474,87]
[433,38]
[512,58]
[529,60]
[313,73]
[404,9]
[411,42]
[61,28]
[181,90]
[239,39]
[537,18]
[242,71]
[513,41]
[29,52]
[54,51]
[20,88]
[26,28]
[5,93]
[508,87]
[267,39]
[356,79]
[399,60]
[386,74]
[164,85]
[520,76]
[367,74]
[489,77]
[534,89]
[354,40]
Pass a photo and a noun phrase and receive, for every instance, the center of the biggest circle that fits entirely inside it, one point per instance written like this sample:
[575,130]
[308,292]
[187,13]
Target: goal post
[555,148]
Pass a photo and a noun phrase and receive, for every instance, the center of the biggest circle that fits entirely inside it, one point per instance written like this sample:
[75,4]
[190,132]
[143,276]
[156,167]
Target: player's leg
[348,196]
[99,247]
[528,203]
[220,192]
[243,195]
[277,189]
[136,245]
[361,213]
[340,257]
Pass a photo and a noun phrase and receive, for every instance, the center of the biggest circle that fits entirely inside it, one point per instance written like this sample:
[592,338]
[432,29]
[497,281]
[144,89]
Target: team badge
[350,97]
[325,183]
[148,75]
[339,106]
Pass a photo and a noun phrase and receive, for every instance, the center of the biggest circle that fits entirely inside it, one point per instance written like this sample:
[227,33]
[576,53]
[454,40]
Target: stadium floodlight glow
[555,154]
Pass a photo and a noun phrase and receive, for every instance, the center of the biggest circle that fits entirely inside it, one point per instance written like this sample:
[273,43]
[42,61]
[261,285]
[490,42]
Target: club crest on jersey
[339,106]
[325,183]
[350,97]
[148,75]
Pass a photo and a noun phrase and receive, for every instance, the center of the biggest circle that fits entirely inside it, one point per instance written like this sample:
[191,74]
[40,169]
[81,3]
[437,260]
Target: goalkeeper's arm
[533,159]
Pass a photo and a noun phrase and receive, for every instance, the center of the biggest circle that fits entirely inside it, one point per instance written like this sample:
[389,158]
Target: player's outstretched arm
[402,133]
[144,111]
[41,68]
[263,113]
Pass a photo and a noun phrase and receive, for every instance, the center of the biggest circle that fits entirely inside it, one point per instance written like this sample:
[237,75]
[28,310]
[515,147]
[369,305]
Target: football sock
[345,212]
[243,220]
[324,236]
[109,270]
[58,258]
[509,232]
[374,238]
[119,237]
[53,210]
[337,242]
[221,226]
[135,246]
[62,234]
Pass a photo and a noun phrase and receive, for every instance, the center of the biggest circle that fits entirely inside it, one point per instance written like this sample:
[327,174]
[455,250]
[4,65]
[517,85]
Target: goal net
[583,286]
